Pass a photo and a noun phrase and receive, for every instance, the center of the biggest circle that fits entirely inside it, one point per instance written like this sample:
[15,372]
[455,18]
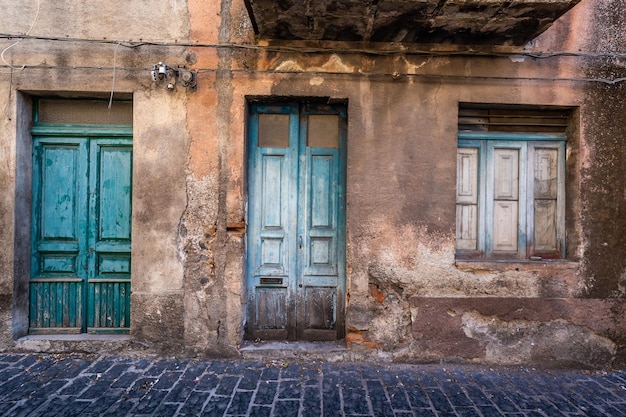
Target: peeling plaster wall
[407,296]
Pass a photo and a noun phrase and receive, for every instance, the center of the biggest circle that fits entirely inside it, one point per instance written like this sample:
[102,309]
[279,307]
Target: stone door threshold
[337,346]
[83,337]
[273,350]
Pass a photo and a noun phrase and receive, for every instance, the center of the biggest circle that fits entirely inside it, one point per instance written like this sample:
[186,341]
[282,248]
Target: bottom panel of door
[57,306]
[271,313]
[319,307]
[108,306]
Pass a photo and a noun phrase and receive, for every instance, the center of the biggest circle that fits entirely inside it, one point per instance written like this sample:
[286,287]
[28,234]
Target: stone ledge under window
[485,265]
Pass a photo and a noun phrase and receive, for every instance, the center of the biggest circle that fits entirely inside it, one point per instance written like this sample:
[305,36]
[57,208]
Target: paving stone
[101,366]
[216,406]
[113,373]
[227,385]
[168,379]
[355,401]
[240,403]
[195,402]
[289,389]
[157,368]
[208,382]
[250,379]
[180,392]
[61,407]
[260,411]
[270,374]
[291,371]
[311,376]
[380,403]
[467,412]
[312,399]
[96,389]
[125,380]
[140,387]
[439,400]
[149,402]
[194,370]
[418,398]
[102,404]
[503,403]
[120,408]
[425,412]
[286,408]
[166,410]
[266,392]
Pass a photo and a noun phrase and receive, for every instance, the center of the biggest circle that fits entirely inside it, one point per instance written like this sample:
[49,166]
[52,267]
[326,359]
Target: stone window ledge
[474,265]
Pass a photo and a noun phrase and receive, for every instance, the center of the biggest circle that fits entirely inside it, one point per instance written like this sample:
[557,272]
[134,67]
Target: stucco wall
[189,176]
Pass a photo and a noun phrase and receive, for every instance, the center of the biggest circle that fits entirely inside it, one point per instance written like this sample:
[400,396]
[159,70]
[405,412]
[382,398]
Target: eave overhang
[462,22]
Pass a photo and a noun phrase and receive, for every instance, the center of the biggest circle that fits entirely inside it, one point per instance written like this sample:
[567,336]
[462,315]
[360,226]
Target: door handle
[300,239]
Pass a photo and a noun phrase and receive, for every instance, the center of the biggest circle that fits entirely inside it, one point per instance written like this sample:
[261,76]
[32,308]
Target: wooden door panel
[321,214]
[108,284]
[466,227]
[114,190]
[545,226]
[321,200]
[271,231]
[58,268]
[506,175]
[274,209]
[320,307]
[467,176]
[467,199]
[56,306]
[109,305]
[505,226]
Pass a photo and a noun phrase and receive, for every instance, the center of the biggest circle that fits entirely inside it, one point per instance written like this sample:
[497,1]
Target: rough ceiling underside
[467,22]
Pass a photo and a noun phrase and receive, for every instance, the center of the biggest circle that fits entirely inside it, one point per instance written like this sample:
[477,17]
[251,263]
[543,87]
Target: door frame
[341,108]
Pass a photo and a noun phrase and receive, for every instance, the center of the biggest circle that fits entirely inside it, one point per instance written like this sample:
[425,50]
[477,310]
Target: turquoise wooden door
[81,231]
[296,221]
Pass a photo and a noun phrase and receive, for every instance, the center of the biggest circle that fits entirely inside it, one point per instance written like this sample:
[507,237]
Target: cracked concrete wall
[407,297]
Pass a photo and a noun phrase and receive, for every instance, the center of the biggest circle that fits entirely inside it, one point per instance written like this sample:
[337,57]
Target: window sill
[472,265]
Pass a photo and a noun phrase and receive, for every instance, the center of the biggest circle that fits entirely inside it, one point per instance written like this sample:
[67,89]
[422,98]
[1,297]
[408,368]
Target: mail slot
[271,281]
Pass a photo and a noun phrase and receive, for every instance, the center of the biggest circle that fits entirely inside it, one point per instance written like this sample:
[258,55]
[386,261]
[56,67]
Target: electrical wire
[399,50]
[19,40]
[113,82]
[395,75]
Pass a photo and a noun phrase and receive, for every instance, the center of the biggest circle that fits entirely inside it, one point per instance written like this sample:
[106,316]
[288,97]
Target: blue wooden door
[81,234]
[296,221]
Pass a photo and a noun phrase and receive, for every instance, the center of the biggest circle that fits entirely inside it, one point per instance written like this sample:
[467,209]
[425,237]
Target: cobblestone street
[87,385]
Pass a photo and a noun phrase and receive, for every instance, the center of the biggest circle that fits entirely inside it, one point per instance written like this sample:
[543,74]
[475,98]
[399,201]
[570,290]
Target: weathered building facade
[412,180]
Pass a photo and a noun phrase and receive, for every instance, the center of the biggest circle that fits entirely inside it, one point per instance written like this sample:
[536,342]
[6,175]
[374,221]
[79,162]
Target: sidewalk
[87,385]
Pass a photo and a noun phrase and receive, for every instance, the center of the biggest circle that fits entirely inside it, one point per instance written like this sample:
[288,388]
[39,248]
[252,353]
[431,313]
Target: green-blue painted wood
[502,136]
[296,229]
[110,236]
[81,229]
[487,144]
[52,130]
